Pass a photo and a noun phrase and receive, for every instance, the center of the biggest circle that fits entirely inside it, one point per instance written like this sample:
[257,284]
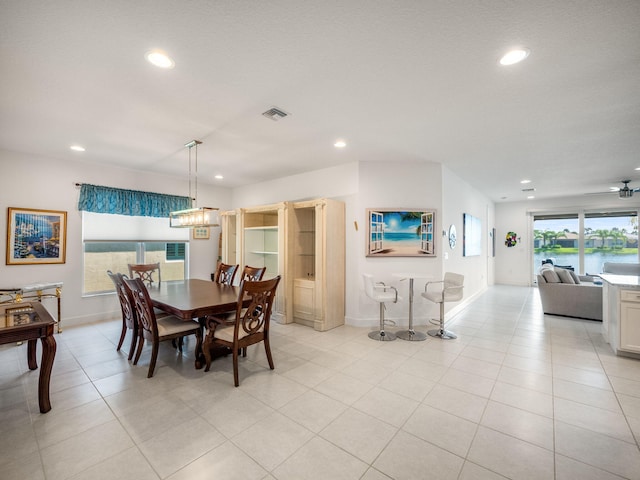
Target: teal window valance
[99,199]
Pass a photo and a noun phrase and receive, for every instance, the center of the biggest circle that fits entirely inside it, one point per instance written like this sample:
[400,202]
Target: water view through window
[608,237]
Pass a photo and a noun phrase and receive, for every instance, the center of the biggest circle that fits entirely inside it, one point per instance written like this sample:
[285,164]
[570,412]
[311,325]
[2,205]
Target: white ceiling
[398,80]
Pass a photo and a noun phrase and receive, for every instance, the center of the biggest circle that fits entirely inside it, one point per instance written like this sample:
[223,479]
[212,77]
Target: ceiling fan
[626,192]
[623,192]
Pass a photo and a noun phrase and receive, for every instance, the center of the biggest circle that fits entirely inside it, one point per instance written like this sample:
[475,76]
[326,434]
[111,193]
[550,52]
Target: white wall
[460,198]
[389,185]
[514,265]
[32,182]
[333,182]
[45,183]
[410,185]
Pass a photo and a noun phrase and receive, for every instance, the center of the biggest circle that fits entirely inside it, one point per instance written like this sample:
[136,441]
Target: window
[556,238]
[585,241]
[610,237]
[111,242]
[175,251]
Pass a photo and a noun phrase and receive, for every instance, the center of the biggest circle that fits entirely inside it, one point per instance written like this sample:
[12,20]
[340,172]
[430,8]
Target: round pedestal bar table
[410,334]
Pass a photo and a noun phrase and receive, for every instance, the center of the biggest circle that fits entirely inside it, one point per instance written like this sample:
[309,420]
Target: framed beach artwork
[36,236]
[400,232]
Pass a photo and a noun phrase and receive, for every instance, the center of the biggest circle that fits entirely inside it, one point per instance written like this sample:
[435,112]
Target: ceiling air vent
[275,114]
[528,189]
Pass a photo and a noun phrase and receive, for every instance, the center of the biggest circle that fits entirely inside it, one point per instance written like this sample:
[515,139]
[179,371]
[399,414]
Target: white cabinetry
[229,237]
[304,242]
[630,320]
[317,263]
[261,249]
[262,232]
[621,313]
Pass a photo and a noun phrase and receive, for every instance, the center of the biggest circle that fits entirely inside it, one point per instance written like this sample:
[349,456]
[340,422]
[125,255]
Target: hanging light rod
[197,216]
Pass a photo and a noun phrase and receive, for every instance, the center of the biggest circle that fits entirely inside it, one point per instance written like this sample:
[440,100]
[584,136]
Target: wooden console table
[36,291]
[30,321]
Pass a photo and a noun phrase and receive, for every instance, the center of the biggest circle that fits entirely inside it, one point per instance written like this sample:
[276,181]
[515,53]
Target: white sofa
[562,292]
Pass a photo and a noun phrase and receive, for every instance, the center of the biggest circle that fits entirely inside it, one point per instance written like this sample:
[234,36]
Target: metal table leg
[411,334]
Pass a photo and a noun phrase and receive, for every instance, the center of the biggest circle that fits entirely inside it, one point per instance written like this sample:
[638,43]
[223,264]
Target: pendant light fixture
[197,216]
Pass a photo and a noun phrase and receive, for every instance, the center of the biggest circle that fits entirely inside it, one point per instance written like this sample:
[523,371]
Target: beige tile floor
[518,395]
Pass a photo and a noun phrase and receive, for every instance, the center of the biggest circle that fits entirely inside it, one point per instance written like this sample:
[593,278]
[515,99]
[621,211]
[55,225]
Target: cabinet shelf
[303,242]
[262,228]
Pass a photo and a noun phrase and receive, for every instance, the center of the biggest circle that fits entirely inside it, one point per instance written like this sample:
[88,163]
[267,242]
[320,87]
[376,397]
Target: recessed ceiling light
[340,144]
[514,56]
[525,181]
[159,59]
[77,148]
[531,197]
[218,177]
[637,168]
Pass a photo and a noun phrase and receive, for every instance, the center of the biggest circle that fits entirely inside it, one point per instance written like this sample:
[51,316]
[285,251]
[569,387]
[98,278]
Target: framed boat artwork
[36,236]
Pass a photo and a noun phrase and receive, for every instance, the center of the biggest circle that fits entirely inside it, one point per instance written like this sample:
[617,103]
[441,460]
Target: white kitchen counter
[621,313]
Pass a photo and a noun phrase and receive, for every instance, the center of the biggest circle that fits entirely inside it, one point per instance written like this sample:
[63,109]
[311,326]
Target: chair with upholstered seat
[224,274]
[129,321]
[147,272]
[251,325]
[381,293]
[156,330]
[451,291]
[249,274]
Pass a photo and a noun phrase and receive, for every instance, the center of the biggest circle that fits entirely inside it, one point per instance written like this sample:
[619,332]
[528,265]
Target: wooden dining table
[195,299]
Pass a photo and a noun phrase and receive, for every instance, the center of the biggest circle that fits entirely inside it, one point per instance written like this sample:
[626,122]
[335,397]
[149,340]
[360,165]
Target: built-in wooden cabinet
[256,237]
[304,242]
[229,247]
[317,263]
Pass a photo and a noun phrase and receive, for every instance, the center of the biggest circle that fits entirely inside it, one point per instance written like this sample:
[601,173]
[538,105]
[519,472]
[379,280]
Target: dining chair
[253,274]
[224,274]
[250,327]
[156,330]
[129,321]
[249,274]
[146,272]
[451,291]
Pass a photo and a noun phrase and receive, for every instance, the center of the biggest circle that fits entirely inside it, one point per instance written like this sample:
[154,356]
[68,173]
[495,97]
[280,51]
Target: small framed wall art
[200,233]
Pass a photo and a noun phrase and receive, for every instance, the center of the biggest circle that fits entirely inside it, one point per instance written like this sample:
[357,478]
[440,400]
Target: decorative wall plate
[452,236]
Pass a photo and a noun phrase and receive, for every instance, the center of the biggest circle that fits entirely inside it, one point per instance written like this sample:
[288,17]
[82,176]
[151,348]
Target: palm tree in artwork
[404,216]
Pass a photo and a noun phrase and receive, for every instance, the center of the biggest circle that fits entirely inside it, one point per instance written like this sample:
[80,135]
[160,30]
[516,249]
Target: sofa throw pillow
[565,275]
[550,276]
[574,275]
